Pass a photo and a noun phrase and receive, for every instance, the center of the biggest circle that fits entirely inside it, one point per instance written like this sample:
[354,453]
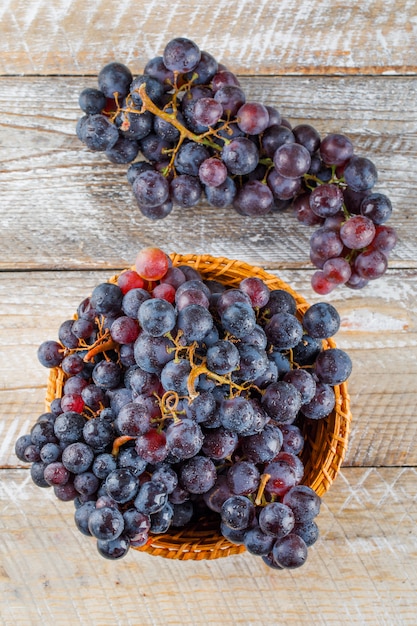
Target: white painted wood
[361,572]
[273,37]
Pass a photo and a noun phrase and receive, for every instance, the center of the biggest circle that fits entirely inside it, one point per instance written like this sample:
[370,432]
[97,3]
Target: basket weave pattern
[325,439]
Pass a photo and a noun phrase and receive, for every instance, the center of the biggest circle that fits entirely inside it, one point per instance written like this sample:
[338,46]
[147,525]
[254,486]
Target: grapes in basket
[187,130]
[176,398]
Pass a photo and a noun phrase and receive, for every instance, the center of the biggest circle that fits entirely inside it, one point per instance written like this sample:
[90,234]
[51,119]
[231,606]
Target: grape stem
[185,133]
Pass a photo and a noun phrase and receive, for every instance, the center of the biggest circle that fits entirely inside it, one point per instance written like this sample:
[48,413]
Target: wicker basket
[325,439]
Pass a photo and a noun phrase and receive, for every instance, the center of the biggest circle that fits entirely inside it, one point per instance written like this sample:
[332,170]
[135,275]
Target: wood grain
[360,572]
[269,37]
[378,331]
[66,207]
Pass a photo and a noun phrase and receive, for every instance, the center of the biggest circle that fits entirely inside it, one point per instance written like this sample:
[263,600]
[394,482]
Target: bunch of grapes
[184,398]
[185,127]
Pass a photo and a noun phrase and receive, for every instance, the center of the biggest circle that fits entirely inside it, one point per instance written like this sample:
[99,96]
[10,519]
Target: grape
[223,357]
[151,263]
[151,189]
[98,133]
[303,381]
[282,401]
[385,239]
[276,519]
[184,438]
[157,317]
[307,136]
[253,363]
[124,150]
[253,198]
[321,404]
[281,478]
[284,331]
[371,264]
[274,137]
[237,512]
[121,485]
[336,149]
[219,443]
[106,299]
[332,366]
[92,101]
[282,187]
[263,446]
[124,330]
[106,523]
[321,320]
[253,118]
[221,195]
[337,270]
[326,243]
[326,200]
[189,158]
[231,97]
[292,160]
[240,156]
[290,551]
[77,457]
[321,284]
[198,474]
[181,55]
[238,319]
[357,232]
[185,190]
[50,353]
[107,374]
[257,542]
[360,173]
[114,80]
[237,415]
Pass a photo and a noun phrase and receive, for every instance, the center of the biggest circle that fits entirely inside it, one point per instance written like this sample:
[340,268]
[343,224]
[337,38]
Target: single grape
[292,160]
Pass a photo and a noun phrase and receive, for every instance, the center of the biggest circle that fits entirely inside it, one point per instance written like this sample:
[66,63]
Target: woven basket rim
[328,440]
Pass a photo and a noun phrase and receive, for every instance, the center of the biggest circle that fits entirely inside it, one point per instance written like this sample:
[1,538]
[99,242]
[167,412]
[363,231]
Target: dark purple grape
[106,523]
[333,366]
[292,160]
[150,188]
[360,173]
[290,551]
[237,512]
[304,503]
[321,320]
[240,156]
[322,403]
[77,457]
[198,474]
[336,149]
[114,80]
[92,101]
[50,353]
[186,190]
[181,55]
[157,317]
[276,519]
[282,401]
[114,548]
[121,485]
[243,478]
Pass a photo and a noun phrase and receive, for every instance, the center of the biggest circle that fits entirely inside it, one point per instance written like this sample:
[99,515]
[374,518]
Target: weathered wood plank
[378,330]
[360,572]
[270,37]
[66,207]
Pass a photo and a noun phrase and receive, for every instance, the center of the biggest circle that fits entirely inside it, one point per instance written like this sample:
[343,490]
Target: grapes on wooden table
[185,130]
[206,417]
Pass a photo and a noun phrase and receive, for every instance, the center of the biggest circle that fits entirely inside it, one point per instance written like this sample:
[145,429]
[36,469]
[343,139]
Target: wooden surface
[67,221]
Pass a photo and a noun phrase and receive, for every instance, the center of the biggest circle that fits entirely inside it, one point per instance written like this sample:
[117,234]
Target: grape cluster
[185,127]
[183,398]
